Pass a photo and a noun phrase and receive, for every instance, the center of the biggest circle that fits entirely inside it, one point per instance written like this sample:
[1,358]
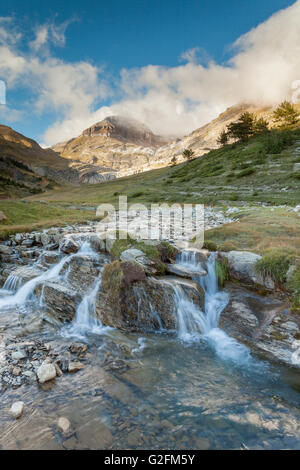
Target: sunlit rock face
[120,146]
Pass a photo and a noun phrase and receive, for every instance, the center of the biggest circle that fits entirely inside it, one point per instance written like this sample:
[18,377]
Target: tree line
[247,125]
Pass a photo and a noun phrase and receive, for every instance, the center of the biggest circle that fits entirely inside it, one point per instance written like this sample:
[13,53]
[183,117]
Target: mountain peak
[125,129]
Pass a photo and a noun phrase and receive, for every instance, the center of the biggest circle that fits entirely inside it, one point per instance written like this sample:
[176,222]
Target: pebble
[75,366]
[17,409]
[17,355]
[46,372]
[64,424]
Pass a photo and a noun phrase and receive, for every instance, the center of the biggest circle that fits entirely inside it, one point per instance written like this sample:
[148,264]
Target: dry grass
[260,230]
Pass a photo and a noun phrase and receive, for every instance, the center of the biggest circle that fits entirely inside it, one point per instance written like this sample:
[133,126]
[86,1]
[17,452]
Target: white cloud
[171,100]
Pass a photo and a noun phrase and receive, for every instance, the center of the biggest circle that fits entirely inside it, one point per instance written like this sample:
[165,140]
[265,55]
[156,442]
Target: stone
[6,250]
[241,265]
[75,366]
[183,271]
[60,299]
[16,371]
[46,372]
[133,254]
[78,348]
[130,301]
[18,355]
[68,245]
[263,323]
[64,425]
[17,409]
[83,271]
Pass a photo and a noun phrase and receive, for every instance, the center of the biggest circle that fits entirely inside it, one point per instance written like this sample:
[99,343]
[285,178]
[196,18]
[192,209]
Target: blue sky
[113,46]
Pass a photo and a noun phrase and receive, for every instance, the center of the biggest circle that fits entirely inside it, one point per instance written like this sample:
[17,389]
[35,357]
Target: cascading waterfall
[193,324]
[25,292]
[11,284]
[86,320]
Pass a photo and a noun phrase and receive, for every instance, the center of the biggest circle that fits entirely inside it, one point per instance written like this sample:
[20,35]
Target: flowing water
[197,389]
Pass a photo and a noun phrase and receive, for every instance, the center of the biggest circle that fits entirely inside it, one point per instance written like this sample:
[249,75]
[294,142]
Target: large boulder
[83,270]
[68,245]
[130,301]
[264,323]
[241,266]
[133,254]
[60,300]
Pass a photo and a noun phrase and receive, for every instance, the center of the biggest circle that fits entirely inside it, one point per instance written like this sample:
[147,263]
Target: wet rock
[17,355]
[77,239]
[26,273]
[83,271]
[78,348]
[133,254]
[68,245]
[130,301]
[264,324]
[60,299]
[241,265]
[6,250]
[64,425]
[183,271]
[75,366]
[16,371]
[49,257]
[46,372]
[17,409]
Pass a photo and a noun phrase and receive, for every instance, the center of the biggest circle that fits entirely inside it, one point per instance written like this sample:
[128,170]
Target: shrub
[275,141]
[294,287]
[246,172]
[209,245]
[274,264]
[227,246]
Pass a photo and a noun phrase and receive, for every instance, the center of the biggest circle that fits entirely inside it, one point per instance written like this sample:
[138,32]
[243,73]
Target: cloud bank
[263,69]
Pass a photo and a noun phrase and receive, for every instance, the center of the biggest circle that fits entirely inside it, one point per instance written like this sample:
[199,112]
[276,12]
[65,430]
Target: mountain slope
[27,168]
[119,146]
[116,146]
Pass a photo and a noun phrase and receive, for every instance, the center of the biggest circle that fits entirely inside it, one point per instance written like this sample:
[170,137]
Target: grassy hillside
[264,169]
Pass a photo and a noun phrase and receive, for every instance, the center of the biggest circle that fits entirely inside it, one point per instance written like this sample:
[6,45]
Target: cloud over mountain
[265,64]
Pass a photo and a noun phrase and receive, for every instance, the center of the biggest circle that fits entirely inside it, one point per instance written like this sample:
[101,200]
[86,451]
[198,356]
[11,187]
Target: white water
[25,292]
[86,320]
[11,284]
[193,324]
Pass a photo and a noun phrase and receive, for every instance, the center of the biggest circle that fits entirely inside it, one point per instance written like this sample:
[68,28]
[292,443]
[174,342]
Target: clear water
[199,389]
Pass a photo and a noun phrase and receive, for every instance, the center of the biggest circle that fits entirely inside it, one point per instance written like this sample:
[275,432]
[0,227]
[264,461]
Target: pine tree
[223,138]
[243,128]
[188,154]
[285,114]
[174,160]
[260,126]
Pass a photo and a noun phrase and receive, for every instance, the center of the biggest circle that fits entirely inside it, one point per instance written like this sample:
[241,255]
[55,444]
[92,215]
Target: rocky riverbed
[73,315]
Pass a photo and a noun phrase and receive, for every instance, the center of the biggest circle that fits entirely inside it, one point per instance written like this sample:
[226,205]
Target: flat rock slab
[183,271]
[265,324]
[61,300]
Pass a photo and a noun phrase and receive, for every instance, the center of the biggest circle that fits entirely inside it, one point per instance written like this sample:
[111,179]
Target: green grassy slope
[264,169]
